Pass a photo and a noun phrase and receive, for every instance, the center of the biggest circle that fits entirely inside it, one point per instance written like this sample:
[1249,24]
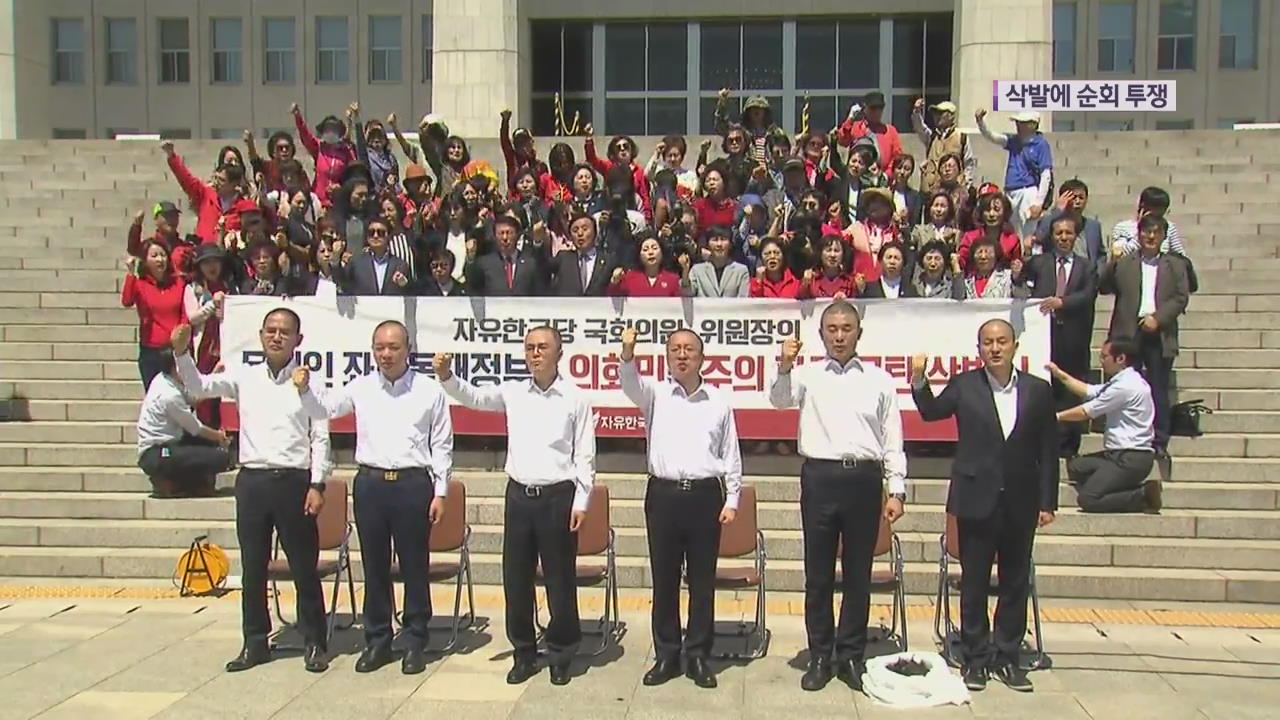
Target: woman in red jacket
[651,279]
[715,208]
[773,279]
[992,215]
[158,293]
[834,277]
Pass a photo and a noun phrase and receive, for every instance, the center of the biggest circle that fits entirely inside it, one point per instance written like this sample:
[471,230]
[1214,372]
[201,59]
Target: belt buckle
[849,462]
[532,491]
[390,475]
[684,484]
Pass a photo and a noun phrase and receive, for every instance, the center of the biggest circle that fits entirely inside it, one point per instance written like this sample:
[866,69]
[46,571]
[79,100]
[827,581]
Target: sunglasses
[734,139]
[441,265]
[377,233]
[284,148]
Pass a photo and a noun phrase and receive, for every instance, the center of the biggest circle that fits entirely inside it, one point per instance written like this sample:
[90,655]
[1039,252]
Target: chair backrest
[593,536]
[884,540]
[331,524]
[448,534]
[953,536]
[738,538]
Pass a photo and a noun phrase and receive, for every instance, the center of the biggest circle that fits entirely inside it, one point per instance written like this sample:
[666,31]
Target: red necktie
[511,273]
[1061,290]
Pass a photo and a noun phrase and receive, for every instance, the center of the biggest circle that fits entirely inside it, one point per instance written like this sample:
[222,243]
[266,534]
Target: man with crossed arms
[693,448]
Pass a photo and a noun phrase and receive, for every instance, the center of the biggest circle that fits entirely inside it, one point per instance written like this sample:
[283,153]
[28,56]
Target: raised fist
[808,276]
[302,379]
[760,272]
[617,276]
[979,114]
[248,136]
[706,145]
[506,113]
[353,110]
[166,146]
[918,363]
[137,219]
[683,260]
[748,210]
[791,348]
[588,130]
[399,279]
[443,363]
[629,337]
[391,119]
[180,339]
[1117,251]
[294,109]
[860,281]
[723,94]
[1016,267]
[918,105]
[662,148]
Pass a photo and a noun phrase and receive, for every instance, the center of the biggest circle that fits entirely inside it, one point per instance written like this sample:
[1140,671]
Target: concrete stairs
[72,505]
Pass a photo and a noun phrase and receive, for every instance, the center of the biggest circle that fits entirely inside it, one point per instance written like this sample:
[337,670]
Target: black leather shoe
[374,657]
[975,678]
[560,674]
[521,671]
[699,672]
[250,655]
[414,661]
[662,671]
[315,659]
[850,673]
[1014,678]
[817,676]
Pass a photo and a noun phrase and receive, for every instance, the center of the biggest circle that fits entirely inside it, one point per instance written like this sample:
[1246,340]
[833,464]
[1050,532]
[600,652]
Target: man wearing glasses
[375,271]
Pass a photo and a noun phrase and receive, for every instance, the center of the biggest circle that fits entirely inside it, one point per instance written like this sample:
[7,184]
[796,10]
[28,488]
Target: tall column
[999,40]
[8,72]
[475,54]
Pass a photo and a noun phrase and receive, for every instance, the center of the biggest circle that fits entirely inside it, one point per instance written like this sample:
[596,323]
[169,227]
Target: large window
[664,77]
[562,51]
[122,51]
[1115,37]
[1176,46]
[1238,35]
[175,51]
[228,43]
[646,78]
[280,50]
[68,51]
[428,44]
[384,49]
[332,50]
[1064,38]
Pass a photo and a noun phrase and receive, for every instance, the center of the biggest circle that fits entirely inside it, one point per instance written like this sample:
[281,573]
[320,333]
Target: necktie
[511,272]
[584,269]
[1062,278]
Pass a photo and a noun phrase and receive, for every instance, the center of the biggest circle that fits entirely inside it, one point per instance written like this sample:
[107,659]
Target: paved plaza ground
[135,655]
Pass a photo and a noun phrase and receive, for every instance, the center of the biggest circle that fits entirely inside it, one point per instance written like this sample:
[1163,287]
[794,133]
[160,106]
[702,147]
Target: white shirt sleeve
[180,412]
[638,389]
[731,452]
[998,138]
[895,458]
[1046,177]
[221,384]
[486,398]
[321,463]
[786,391]
[1106,399]
[332,404]
[584,453]
[441,441]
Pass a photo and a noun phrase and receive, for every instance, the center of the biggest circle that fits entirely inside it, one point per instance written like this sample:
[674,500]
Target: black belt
[393,475]
[271,471]
[849,463]
[537,491]
[686,484]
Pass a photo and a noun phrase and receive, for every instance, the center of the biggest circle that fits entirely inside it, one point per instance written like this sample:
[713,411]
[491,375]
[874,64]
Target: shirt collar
[402,383]
[855,363]
[678,390]
[556,387]
[995,384]
[286,373]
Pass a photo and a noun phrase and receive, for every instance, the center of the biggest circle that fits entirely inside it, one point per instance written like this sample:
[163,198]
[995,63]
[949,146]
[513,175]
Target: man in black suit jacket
[1066,283]
[440,282]
[1004,483]
[587,261]
[507,272]
[375,271]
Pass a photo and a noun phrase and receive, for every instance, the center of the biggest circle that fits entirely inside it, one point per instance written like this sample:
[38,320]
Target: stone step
[1207,339]
[67,432]
[1221,524]
[1216,359]
[60,454]
[1055,581]
[69,369]
[125,411]
[68,316]
[73,334]
[73,389]
[1254,445]
[1231,399]
[68,351]
[1227,421]
[1234,379]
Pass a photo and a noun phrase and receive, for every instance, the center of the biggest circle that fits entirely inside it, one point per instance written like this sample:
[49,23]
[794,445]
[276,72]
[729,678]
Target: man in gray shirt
[180,455]
[1113,480]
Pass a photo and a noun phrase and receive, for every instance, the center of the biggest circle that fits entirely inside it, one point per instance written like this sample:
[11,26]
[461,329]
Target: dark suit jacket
[568,281]
[487,276]
[428,287]
[1073,324]
[1025,466]
[1123,278]
[1089,240]
[875,290]
[359,278]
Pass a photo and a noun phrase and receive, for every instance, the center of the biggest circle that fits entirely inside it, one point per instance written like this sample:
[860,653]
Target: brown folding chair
[335,534]
[595,537]
[892,581]
[451,534]
[737,539]
[945,631]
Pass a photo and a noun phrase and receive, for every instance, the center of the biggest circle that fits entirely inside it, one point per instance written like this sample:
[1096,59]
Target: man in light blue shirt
[1115,480]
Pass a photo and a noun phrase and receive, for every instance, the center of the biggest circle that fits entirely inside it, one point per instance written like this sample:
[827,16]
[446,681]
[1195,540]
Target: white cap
[1030,116]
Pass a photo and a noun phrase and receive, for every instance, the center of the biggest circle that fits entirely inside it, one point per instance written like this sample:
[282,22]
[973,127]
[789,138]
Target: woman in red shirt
[834,277]
[715,208]
[773,279]
[153,288]
[992,214]
[650,279]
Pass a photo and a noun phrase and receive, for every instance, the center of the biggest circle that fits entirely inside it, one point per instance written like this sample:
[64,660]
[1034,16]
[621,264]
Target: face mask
[330,137]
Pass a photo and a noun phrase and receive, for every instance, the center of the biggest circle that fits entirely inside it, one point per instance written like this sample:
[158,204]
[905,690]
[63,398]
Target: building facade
[212,68]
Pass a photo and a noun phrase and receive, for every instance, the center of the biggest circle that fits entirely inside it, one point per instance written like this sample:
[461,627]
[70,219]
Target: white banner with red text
[743,340]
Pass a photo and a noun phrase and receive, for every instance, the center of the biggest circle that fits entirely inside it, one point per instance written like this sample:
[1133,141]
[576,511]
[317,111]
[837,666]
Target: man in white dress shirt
[551,451]
[284,460]
[693,449]
[404,449]
[180,455]
[1113,480]
[851,439]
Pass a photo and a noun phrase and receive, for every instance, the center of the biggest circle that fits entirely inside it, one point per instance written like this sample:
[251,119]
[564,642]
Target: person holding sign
[693,449]
[404,447]
[851,439]
[284,460]
[1004,483]
[551,451]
